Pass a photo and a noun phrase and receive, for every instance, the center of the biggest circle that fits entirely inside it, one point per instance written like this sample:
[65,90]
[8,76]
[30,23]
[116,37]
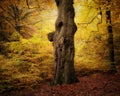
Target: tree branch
[27,3]
[91,19]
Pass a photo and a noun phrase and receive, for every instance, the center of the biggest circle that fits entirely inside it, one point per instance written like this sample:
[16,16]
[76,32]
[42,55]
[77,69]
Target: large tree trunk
[110,38]
[63,42]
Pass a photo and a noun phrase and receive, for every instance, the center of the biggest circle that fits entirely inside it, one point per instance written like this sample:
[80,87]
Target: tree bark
[110,38]
[63,42]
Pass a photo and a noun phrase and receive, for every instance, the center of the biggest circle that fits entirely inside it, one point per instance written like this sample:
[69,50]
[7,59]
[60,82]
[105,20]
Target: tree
[17,14]
[63,42]
[110,36]
[106,5]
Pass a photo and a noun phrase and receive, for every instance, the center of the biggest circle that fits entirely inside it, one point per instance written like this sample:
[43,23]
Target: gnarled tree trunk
[63,42]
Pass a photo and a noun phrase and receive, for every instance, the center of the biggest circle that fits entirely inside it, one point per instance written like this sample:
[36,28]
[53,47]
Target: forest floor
[95,84]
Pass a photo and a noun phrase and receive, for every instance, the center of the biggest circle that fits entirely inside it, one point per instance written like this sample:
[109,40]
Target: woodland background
[26,55]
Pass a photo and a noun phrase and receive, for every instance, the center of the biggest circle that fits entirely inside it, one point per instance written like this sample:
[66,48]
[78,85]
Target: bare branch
[91,19]
[27,2]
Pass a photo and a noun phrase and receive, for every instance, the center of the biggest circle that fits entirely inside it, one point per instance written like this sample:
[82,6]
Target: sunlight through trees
[26,55]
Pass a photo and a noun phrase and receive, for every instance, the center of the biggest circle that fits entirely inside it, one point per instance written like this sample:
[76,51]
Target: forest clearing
[59,48]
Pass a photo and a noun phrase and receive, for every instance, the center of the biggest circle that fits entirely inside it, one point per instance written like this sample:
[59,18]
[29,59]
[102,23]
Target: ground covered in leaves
[95,84]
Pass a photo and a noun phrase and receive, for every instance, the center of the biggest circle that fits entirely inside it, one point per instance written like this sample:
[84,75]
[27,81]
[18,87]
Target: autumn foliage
[26,55]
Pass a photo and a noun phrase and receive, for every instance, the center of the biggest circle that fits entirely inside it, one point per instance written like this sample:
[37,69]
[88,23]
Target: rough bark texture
[63,41]
[51,36]
[110,38]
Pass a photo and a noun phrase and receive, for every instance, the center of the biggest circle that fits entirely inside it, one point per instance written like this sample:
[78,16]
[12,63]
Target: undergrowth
[24,63]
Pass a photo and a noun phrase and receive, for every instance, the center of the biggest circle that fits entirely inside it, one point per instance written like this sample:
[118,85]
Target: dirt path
[93,85]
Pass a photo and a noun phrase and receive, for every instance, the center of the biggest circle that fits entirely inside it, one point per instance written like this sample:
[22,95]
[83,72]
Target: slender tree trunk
[110,38]
[63,42]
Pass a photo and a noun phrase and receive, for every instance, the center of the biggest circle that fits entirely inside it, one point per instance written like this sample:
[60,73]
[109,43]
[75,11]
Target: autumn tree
[115,15]
[63,42]
[110,36]
[17,14]
[107,5]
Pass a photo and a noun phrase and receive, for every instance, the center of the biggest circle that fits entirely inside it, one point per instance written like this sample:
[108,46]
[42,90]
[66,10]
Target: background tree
[110,36]
[107,5]
[16,14]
